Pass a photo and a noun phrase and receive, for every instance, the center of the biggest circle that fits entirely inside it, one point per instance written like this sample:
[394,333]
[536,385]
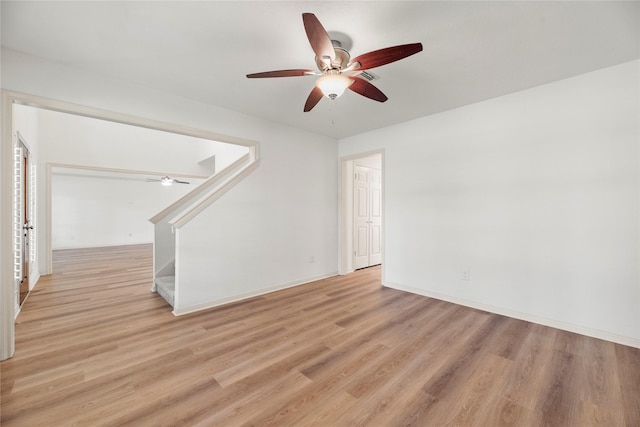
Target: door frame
[7,99]
[372,222]
[345,210]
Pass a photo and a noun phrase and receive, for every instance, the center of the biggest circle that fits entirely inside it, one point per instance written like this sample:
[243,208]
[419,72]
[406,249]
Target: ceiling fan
[337,70]
[165,180]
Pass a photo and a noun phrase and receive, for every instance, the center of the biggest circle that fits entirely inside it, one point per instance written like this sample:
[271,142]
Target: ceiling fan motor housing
[341,61]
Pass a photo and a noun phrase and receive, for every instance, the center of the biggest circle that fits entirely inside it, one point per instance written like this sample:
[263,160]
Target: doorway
[367,215]
[11,227]
[24,214]
[361,211]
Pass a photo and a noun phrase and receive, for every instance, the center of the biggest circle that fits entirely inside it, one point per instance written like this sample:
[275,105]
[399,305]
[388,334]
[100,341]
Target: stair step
[166,287]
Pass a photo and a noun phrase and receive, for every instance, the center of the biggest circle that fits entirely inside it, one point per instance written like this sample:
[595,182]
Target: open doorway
[100,180]
[44,157]
[361,211]
[24,216]
[367,212]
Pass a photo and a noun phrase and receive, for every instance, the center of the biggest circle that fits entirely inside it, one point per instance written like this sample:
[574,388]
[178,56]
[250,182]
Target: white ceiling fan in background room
[167,181]
[338,72]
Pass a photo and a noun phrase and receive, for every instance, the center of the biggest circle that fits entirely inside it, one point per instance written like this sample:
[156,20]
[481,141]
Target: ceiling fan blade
[365,88]
[281,73]
[152,180]
[385,56]
[177,181]
[314,97]
[319,39]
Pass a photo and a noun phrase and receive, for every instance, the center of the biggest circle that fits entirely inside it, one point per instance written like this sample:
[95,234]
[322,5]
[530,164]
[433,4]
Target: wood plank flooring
[95,347]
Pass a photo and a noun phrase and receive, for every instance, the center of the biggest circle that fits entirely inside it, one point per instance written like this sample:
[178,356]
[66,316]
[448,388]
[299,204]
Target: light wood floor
[95,347]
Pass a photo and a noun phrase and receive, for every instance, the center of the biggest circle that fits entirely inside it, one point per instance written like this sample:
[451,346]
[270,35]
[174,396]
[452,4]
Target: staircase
[168,222]
[166,288]
[164,282]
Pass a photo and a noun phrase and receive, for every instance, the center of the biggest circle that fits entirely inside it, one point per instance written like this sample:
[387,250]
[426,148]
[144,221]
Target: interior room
[320,213]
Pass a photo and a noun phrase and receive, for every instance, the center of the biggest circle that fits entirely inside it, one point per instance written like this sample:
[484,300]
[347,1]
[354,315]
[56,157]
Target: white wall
[536,193]
[286,233]
[72,139]
[293,190]
[374,161]
[225,154]
[91,211]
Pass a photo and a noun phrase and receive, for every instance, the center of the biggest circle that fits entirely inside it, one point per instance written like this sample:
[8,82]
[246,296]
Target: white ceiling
[202,50]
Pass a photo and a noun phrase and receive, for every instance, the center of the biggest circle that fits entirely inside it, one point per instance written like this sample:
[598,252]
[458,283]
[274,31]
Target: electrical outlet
[311,259]
[466,274]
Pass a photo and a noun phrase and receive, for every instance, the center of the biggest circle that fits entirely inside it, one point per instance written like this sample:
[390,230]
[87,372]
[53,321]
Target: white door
[23,211]
[367,217]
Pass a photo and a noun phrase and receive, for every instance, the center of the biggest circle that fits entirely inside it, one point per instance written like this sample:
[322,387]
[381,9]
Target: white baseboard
[590,332]
[256,293]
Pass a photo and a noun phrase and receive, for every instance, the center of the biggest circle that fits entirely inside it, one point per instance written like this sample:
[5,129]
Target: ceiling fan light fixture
[333,60]
[166,181]
[333,85]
